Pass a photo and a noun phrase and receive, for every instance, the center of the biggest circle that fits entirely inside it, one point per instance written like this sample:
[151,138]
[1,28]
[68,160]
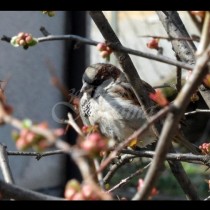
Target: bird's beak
[86,88]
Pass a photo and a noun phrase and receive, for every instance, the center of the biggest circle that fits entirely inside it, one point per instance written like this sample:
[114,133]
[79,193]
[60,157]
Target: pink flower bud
[43,144]
[94,137]
[78,196]
[21,34]
[24,132]
[85,129]
[101,46]
[153,44]
[72,187]
[94,143]
[109,50]
[28,39]
[21,144]
[30,137]
[69,193]
[159,98]
[22,42]
[59,132]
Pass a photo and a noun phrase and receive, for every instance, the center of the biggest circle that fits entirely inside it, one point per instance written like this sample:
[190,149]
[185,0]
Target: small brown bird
[109,102]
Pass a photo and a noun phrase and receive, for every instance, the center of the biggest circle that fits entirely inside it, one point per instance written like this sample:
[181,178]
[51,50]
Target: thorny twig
[127,179]
[38,155]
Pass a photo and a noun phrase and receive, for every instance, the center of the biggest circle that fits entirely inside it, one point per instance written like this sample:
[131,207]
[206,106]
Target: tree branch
[127,179]
[122,161]
[197,111]
[18,193]
[182,178]
[204,159]
[115,47]
[4,164]
[36,154]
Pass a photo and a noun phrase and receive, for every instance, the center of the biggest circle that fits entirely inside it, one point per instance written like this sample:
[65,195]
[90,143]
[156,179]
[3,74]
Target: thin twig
[195,20]
[4,165]
[182,178]
[197,111]
[156,57]
[44,31]
[36,154]
[127,179]
[71,122]
[189,157]
[56,82]
[19,193]
[170,38]
[178,76]
[118,48]
[124,49]
[99,175]
[205,39]
[122,161]
[207,199]
[164,86]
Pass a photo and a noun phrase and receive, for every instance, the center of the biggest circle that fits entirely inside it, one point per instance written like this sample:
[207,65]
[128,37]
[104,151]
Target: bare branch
[171,38]
[204,159]
[118,48]
[36,154]
[19,193]
[205,34]
[197,23]
[178,77]
[122,161]
[71,122]
[197,111]
[207,199]
[127,179]
[115,47]
[4,165]
[182,178]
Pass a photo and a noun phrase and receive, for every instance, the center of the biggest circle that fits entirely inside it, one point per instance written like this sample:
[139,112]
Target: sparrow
[109,102]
